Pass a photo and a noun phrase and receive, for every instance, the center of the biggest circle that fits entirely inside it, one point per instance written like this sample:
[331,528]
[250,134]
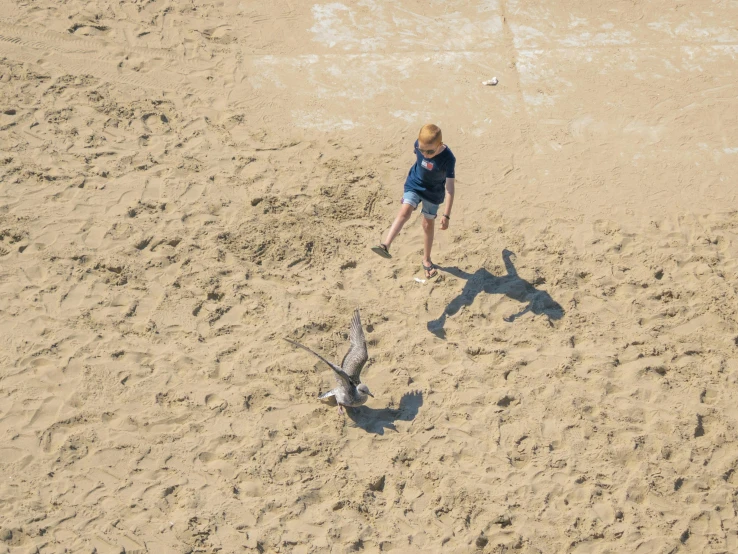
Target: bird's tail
[328,397]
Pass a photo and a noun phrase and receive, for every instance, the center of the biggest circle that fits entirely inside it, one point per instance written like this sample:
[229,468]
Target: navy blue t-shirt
[427,177]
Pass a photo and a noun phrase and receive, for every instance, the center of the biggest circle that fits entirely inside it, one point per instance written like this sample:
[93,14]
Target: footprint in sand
[206,457]
[156,123]
[75,296]
[95,236]
[215,402]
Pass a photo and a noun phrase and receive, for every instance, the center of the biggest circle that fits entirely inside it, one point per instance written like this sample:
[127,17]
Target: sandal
[430,270]
[382,250]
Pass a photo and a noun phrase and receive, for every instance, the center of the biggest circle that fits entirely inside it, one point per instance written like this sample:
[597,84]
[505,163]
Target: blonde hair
[430,134]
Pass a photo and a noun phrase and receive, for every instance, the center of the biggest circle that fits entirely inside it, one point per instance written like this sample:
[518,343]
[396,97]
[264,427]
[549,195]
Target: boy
[429,180]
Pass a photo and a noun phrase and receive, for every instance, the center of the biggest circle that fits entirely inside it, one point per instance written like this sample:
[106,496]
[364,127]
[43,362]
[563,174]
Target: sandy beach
[185,183]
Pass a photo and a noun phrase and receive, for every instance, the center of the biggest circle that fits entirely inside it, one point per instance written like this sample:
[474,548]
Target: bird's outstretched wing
[354,360]
[340,374]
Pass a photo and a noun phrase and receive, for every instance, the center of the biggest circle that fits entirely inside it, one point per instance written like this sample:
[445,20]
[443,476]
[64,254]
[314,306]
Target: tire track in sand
[91,57]
[101,49]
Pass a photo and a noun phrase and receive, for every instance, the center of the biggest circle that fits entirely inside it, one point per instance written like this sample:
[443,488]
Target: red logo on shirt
[428,165]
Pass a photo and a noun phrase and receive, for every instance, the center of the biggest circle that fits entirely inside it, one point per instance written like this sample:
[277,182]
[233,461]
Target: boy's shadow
[537,301]
[376,421]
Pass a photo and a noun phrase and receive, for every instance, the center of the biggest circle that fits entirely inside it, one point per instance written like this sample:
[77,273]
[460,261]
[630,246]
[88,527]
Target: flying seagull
[350,391]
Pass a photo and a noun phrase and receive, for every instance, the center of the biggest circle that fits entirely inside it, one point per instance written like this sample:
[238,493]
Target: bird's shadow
[536,301]
[376,421]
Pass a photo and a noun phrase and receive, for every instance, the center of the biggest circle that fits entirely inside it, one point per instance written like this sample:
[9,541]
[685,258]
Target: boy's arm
[450,189]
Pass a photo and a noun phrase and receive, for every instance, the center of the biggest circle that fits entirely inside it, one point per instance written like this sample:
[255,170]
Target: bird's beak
[370,394]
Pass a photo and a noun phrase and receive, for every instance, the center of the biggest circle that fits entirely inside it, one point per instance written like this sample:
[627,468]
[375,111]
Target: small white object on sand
[420,280]
[492,82]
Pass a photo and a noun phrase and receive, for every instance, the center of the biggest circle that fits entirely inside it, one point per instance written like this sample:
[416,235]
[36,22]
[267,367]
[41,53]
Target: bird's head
[362,388]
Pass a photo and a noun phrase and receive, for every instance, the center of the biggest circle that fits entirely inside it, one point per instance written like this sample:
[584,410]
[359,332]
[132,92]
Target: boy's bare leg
[429,229]
[402,217]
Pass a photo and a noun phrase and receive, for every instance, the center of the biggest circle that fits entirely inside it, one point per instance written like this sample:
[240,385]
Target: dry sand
[184,183]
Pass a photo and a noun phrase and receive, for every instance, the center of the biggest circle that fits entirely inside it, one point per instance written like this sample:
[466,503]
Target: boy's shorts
[429,211]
